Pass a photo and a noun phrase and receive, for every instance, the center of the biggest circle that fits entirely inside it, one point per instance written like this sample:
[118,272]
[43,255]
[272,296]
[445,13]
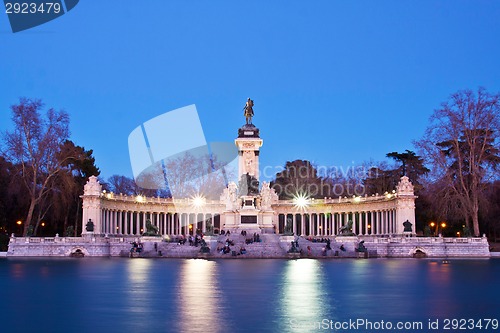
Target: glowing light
[43,224]
[432,224]
[19,222]
[443,225]
[198,201]
[357,199]
[301,201]
[139,198]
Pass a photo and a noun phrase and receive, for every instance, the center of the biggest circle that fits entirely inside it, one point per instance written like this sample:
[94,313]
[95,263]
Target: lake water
[306,295]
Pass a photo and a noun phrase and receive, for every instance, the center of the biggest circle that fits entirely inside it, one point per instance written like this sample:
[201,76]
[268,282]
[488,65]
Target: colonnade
[124,222]
[377,222]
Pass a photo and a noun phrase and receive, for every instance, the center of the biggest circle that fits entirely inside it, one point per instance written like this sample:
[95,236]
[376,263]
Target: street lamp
[432,224]
[443,225]
[20,228]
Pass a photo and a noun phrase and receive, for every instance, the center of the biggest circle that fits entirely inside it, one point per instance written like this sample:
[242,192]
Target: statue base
[248,131]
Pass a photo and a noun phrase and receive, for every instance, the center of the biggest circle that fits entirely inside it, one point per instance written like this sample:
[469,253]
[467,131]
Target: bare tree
[461,145]
[33,145]
[185,175]
[123,185]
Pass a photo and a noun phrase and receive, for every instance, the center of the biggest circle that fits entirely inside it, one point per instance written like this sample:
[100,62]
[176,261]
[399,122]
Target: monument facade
[251,205]
[383,225]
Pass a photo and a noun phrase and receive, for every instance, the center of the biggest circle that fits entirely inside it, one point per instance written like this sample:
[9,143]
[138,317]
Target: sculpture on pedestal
[230,197]
[151,230]
[248,185]
[248,111]
[347,229]
[268,196]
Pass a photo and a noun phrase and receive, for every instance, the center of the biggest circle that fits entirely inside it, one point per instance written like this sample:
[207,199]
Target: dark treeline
[456,174]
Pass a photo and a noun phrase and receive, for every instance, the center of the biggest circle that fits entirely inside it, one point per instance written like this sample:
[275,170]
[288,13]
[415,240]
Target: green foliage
[4,242]
[299,177]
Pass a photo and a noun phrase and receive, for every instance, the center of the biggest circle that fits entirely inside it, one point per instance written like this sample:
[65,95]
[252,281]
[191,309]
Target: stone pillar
[301,224]
[137,223]
[248,158]
[105,221]
[374,223]
[91,205]
[120,226]
[365,216]
[115,222]
[405,205]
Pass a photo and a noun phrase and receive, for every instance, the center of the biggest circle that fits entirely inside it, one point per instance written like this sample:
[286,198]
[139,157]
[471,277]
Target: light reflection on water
[303,295]
[199,297]
[141,295]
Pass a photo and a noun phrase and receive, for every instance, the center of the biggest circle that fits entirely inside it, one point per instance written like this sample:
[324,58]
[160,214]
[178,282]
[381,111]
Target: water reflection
[17,271]
[303,296]
[441,289]
[199,297]
[137,291]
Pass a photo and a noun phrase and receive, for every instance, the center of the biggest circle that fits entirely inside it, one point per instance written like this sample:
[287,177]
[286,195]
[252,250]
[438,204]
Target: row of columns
[381,222]
[119,222]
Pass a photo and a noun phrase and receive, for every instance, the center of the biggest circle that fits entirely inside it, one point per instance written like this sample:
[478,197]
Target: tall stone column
[91,204]
[405,205]
[316,226]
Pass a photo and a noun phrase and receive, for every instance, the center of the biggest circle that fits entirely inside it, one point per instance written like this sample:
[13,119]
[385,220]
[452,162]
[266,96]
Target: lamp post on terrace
[432,224]
[19,223]
[443,225]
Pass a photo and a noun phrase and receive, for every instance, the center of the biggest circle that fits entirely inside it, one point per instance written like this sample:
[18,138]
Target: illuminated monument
[250,205]
[383,225]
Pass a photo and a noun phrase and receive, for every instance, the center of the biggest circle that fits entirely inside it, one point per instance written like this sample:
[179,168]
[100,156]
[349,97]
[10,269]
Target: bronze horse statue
[248,111]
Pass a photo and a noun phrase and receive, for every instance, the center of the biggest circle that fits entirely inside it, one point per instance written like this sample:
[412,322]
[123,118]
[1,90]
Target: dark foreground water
[144,295]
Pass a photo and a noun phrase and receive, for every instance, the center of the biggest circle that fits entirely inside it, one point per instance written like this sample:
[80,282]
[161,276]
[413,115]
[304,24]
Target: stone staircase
[268,247]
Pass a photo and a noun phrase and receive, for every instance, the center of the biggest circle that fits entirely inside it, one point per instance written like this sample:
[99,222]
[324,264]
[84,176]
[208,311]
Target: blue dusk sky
[334,82]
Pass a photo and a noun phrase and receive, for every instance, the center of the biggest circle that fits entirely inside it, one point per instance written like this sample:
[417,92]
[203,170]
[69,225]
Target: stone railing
[428,240]
[151,200]
[353,199]
[72,240]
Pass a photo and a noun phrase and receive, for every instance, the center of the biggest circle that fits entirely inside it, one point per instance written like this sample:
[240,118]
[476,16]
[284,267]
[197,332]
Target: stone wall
[65,246]
[404,247]
[386,247]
